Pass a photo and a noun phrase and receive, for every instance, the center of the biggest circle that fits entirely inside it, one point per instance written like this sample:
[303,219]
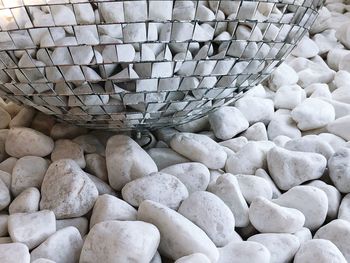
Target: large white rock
[199,148]
[108,207]
[310,143]
[282,247]
[227,122]
[268,217]
[211,214]
[67,190]
[288,97]
[123,240]
[339,169]
[256,109]
[96,165]
[319,250]
[283,124]
[63,246]
[159,187]
[22,142]
[126,161]
[29,171]
[195,176]
[26,202]
[227,188]
[340,127]
[337,232]
[244,252]
[291,168]
[313,113]
[309,200]
[67,149]
[31,228]
[333,196]
[344,208]
[284,75]
[14,253]
[253,186]
[256,132]
[179,236]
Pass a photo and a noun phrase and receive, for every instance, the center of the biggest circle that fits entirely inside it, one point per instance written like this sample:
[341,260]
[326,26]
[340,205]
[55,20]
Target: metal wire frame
[123,93]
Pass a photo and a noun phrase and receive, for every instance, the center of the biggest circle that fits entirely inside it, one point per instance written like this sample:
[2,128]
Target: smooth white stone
[164,157]
[268,217]
[341,78]
[339,169]
[69,242]
[6,168]
[342,34]
[340,127]
[263,174]
[256,109]
[235,144]
[108,207]
[284,75]
[291,168]
[333,196]
[281,140]
[22,142]
[126,161]
[132,240]
[288,97]
[341,109]
[5,197]
[26,202]
[80,223]
[253,186]
[179,236]
[310,143]
[256,132]
[283,124]
[96,165]
[344,208]
[342,94]
[211,214]
[199,148]
[319,250]
[320,90]
[244,252]
[282,247]
[337,232]
[159,187]
[194,258]
[313,113]
[326,41]
[304,234]
[227,188]
[67,190]
[102,186]
[227,122]
[309,200]
[247,160]
[14,253]
[195,176]
[67,149]
[334,57]
[306,48]
[333,140]
[31,229]
[194,126]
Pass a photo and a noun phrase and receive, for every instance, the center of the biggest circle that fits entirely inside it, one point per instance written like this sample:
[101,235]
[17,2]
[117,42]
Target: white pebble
[179,236]
[256,132]
[319,250]
[291,168]
[268,217]
[288,97]
[283,125]
[67,149]
[306,48]
[126,161]
[340,127]
[22,142]
[31,228]
[67,190]
[80,223]
[159,187]
[211,214]
[309,200]
[199,148]
[284,75]
[195,176]
[337,231]
[164,157]
[14,253]
[227,122]
[339,169]
[26,202]
[69,242]
[256,109]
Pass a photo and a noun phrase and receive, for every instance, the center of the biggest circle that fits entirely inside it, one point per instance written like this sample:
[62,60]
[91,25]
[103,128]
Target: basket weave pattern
[197,65]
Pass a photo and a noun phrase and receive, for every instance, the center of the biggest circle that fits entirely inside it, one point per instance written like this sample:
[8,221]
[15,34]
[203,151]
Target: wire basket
[142,64]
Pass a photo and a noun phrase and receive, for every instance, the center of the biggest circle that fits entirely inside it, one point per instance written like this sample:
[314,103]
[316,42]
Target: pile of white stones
[264,180]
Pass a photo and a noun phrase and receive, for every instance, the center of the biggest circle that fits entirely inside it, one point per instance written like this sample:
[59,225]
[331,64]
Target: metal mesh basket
[142,64]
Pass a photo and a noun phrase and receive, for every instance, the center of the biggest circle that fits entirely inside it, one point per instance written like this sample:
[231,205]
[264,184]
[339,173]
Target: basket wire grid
[195,65]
